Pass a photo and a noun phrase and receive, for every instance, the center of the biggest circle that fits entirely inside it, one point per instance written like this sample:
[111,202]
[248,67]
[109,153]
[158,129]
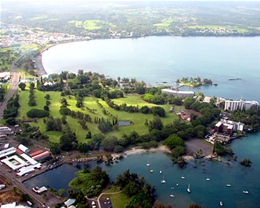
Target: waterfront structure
[232,105]
[178,93]
[226,126]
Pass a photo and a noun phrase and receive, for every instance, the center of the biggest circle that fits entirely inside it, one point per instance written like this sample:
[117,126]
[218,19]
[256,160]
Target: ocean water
[165,59]
[208,194]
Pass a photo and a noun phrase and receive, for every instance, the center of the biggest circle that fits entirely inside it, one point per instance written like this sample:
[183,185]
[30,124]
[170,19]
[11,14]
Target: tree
[173,141]
[47,96]
[155,124]
[109,143]
[61,192]
[178,151]
[88,135]
[131,189]
[22,85]
[246,162]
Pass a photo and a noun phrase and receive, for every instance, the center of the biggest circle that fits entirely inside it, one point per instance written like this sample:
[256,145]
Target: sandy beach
[136,150]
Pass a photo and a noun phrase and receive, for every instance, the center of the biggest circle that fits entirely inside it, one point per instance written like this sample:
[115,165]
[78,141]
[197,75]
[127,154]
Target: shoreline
[136,150]
[38,60]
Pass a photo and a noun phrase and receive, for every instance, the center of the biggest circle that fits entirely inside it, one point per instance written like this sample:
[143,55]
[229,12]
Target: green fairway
[94,111]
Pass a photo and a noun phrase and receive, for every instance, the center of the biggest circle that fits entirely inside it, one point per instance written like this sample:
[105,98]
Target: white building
[7,152]
[23,148]
[178,93]
[232,105]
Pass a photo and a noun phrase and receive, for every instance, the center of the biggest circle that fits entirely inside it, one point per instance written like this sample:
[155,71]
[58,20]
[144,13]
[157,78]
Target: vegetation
[90,183]
[221,149]
[251,118]
[140,192]
[131,19]
[246,162]
[194,82]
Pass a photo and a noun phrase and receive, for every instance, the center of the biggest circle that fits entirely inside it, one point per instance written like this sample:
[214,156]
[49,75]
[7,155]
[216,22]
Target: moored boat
[188,189]
[245,192]
[221,204]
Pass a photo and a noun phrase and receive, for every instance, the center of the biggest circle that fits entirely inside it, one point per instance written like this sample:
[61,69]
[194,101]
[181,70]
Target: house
[69,202]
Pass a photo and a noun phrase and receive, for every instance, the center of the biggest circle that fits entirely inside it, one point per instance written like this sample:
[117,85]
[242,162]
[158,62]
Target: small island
[194,82]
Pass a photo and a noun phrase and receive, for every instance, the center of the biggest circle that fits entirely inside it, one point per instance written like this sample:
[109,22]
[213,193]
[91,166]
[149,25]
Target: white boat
[245,192]
[148,164]
[163,181]
[221,203]
[188,189]
[171,195]
[228,185]
[207,179]
[183,177]
[160,171]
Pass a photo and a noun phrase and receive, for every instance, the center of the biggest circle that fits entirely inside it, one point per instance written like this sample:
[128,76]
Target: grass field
[118,200]
[94,110]
[164,23]
[87,24]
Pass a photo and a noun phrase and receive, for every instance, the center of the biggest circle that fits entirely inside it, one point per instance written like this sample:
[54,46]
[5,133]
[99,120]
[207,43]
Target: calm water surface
[165,59]
[203,192]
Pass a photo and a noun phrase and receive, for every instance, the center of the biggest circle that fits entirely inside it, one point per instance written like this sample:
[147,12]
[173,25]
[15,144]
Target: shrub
[37,113]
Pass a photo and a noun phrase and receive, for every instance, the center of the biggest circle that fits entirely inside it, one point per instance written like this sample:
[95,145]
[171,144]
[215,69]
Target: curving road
[15,76]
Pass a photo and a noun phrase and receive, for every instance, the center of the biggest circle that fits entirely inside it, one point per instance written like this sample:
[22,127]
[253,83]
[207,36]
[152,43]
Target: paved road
[13,86]
[38,202]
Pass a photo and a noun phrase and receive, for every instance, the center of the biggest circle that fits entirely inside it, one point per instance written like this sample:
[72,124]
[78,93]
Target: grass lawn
[164,23]
[118,200]
[81,181]
[94,110]
[92,24]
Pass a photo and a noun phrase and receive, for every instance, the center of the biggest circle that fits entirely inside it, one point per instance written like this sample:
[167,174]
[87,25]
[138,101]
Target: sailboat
[148,164]
[188,189]
[163,181]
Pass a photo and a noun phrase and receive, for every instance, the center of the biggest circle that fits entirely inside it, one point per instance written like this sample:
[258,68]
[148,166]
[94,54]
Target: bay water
[163,60]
